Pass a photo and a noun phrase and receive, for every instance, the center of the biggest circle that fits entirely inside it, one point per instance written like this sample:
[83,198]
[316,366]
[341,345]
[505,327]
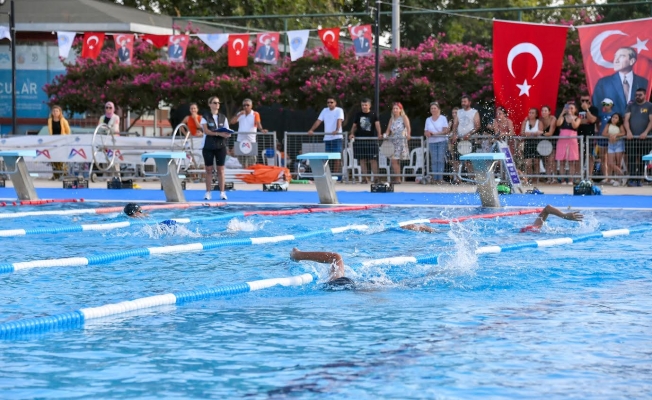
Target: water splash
[235,225]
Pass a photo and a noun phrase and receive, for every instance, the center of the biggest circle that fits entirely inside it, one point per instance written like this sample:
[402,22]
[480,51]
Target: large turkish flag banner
[331,39]
[527,66]
[92,46]
[617,58]
[238,50]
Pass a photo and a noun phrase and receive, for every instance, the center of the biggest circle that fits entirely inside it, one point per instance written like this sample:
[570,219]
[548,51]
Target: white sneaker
[207,196]
[616,183]
[223,195]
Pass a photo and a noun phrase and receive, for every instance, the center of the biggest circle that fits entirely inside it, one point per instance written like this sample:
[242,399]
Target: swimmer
[133,210]
[550,210]
[419,228]
[337,277]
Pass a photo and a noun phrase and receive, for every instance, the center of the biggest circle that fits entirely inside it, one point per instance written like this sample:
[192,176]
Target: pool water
[563,321]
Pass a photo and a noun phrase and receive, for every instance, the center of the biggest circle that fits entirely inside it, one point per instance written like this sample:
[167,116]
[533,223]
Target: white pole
[396,26]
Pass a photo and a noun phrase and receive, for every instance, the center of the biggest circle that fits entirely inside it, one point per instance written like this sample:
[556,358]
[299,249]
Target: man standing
[588,116]
[621,85]
[466,123]
[364,125]
[332,117]
[248,121]
[638,124]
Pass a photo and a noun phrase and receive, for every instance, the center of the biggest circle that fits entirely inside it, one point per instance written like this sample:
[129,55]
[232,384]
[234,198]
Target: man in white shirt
[465,124]
[248,120]
[332,117]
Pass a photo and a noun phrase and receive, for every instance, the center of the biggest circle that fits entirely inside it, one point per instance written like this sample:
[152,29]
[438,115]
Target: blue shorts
[333,146]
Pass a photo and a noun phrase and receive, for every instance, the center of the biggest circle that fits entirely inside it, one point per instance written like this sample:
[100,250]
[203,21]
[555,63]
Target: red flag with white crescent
[361,37]
[124,47]
[617,58]
[92,46]
[238,50]
[527,66]
[331,39]
[158,41]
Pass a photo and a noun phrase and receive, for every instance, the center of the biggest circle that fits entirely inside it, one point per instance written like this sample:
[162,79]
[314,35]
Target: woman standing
[193,121]
[615,131]
[531,128]
[57,125]
[549,123]
[567,146]
[216,132]
[436,131]
[398,131]
[110,118]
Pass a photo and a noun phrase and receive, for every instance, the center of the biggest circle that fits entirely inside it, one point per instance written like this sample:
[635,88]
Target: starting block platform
[17,171]
[322,175]
[647,158]
[166,167]
[484,165]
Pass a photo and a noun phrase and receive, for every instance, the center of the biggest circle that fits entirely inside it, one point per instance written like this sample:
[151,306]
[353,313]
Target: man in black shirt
[589,115]
[364,124]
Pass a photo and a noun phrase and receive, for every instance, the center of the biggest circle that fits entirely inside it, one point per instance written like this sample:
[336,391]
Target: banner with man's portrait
[266,48]
[617,60]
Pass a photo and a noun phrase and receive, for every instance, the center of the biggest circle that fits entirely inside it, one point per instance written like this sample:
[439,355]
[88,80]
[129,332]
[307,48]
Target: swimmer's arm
[550,210]
[326,257]
[419,228]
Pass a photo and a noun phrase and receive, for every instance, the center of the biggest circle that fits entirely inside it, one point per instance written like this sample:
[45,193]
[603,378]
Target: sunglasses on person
[108,108]
[607,104]
[330,102]
[585,100]
[246,105]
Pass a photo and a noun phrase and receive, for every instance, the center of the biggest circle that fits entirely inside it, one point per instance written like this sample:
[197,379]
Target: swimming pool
[554,321]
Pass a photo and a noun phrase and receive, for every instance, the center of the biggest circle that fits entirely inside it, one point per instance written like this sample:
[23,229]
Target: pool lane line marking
[137,222]
[494,249]
[39,202]
[105,258]
[77,319]
[107,210]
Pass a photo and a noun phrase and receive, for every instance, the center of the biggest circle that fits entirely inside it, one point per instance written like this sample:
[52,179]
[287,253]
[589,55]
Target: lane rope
[105,258]
[138,222]
[107,210]
[77,319]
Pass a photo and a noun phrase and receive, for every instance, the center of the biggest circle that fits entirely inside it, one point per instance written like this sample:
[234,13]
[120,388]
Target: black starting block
[116,183]
[382,188]
[227,186]
[275,187]
[75,183]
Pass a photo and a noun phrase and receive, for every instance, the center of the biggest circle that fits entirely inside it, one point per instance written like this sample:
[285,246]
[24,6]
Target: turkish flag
[331,39]
[614,53]
[158,41]
[527,66]
[238,50]
[93,42]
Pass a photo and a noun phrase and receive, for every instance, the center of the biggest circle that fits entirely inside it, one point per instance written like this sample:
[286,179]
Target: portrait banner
[266,48]
[124,47]
[361,37]
[617,60]
[177,45]
[527,66]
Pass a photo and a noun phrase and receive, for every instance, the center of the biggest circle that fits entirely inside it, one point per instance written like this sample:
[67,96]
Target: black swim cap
[132,208]
[342,283]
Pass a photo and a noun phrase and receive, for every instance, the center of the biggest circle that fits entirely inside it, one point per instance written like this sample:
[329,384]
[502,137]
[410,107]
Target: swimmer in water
[419,228]
[133,210]
[336,277]
[550,210]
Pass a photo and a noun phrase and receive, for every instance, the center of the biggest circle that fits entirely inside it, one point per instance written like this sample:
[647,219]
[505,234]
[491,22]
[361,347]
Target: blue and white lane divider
[110,226]
[105,258]
[77,319]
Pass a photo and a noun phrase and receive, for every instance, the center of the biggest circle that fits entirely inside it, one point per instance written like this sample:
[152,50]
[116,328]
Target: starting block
[166,165]
[647,158]
[483,166]
[322,175]
[385,187]
[17,171]
[276,187]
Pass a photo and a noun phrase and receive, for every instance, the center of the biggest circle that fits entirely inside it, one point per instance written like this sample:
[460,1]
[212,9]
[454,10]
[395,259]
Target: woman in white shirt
[436,131]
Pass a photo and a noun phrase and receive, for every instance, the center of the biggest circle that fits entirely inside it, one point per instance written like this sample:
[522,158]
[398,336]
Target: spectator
[452,148]
[549,123]
[615,131]
[436,131]
[503,130]
[638,124]
[466,124]
[110,118]
[193,121]
[248,120]
[332,117]
[364,125]
[531,128]
[398,132]
[588,115]
[216,132]
[57,125]
[604,118]
[567,149]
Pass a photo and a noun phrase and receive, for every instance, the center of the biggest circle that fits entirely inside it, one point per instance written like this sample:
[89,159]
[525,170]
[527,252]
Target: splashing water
[235,225]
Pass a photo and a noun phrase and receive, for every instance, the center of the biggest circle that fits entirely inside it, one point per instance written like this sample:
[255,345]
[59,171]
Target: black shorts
[365,149]
[218,154]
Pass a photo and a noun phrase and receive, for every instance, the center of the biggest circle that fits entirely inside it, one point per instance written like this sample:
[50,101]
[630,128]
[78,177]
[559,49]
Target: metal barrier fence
[620,161]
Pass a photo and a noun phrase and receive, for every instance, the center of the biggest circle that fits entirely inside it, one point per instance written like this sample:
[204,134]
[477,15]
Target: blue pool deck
[407,194]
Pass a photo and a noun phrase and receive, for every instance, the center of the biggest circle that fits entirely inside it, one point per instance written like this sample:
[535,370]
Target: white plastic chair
[417,161]
[383,164]
[351,163]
